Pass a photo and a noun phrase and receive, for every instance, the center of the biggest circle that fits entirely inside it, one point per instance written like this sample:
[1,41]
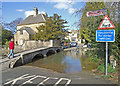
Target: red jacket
[11,45]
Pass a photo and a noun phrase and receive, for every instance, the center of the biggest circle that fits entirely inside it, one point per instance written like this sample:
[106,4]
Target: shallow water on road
[64,62]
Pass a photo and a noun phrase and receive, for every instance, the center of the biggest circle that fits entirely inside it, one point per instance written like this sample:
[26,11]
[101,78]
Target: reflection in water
[66,62]
[72,62]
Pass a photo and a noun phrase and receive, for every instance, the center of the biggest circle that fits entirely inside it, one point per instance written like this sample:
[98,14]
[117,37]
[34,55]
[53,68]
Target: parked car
[89,45]
[65,45]
[73,44]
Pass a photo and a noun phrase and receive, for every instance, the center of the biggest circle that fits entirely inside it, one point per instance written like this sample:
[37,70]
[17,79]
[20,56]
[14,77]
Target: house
[27,28]
[73,35]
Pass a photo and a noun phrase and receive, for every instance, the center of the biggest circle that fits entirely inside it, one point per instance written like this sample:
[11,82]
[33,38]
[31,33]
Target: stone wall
[36,44]
[56,43]
[18,48]
[18,37]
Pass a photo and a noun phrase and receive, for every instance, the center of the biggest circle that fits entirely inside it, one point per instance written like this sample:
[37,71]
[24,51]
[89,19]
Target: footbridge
[32,55]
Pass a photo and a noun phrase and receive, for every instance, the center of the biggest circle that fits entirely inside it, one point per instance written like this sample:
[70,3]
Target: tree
[6,35]
[9,29]
[89,25]
[12,26]
[0,35]
[113,13]
[53,28]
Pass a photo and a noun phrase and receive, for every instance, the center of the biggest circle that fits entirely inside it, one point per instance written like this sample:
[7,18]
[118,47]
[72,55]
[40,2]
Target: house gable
[28,29]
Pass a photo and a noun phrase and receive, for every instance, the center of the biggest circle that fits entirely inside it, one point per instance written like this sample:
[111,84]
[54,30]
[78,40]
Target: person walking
[11,47]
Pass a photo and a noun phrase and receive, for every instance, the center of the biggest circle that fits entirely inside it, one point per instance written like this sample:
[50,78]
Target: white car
[73,44]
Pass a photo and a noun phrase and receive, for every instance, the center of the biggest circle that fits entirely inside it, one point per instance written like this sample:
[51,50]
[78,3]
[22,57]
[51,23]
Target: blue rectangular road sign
[105,35]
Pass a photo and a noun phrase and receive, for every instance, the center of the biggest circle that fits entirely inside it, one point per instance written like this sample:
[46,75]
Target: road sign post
[105,36]
[105,24]
[106,58]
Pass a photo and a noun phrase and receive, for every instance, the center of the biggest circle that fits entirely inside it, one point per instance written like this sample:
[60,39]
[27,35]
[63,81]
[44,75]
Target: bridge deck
[34,50]
[5,61]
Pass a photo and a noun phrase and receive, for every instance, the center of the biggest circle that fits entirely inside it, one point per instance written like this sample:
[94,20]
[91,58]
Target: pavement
[5,61]
[35,76]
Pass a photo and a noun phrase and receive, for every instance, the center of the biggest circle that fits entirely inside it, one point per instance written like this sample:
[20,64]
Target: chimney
[45,14]
[35,11]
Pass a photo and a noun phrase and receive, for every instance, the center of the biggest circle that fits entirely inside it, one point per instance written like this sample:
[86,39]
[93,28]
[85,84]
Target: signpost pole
[106,58]
[106,49]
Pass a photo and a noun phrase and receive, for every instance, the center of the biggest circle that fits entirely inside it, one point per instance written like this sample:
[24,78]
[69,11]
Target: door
[21,42]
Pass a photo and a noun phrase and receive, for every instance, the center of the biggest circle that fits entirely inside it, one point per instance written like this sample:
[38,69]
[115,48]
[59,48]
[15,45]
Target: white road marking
[30,80]
[46,80]
[32,77]
[68,81]
[19,78]
[43,81]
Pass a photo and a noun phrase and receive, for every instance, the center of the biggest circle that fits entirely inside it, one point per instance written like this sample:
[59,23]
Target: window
[21,32]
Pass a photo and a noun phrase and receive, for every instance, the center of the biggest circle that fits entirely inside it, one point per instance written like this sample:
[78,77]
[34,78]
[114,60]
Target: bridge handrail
[38,49]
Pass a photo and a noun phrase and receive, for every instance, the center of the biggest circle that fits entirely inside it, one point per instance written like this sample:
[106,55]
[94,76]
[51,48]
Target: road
[35,76]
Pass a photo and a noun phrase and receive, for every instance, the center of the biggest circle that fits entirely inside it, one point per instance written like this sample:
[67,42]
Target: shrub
[110,69]
[7,44]
[101,68]
[89,53]
[95,59]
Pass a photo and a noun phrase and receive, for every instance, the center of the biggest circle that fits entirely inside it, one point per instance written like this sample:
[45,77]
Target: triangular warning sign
[106,23]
